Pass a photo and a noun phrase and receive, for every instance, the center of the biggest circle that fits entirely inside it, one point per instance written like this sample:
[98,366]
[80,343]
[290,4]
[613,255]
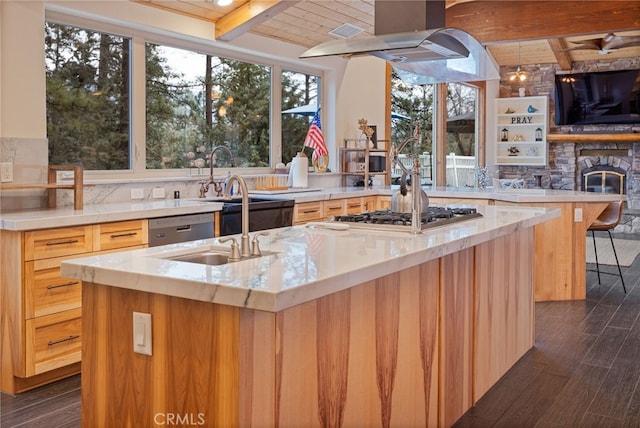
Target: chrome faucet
[245,250]
[204,185]
[416,200]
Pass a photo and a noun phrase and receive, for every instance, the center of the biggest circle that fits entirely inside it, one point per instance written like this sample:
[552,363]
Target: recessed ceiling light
[222,2]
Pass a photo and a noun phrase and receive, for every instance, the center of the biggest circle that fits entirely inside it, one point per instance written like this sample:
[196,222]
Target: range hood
[421,56]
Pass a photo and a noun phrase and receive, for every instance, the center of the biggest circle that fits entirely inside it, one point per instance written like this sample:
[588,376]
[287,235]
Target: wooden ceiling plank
[558,47]
[499,22]
[201,10]
[249,16]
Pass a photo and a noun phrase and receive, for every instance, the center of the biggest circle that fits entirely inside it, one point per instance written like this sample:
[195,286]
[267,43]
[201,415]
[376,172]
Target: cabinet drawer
[369,203]
[121,234]
[64,241]
[333,207]
[384,203]
[46,292]
[354,206]
[53,341]
[307,211]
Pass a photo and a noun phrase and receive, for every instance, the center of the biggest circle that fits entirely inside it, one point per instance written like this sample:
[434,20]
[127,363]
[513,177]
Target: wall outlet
[157,193]
[137,194]
[142,343]
[6,172]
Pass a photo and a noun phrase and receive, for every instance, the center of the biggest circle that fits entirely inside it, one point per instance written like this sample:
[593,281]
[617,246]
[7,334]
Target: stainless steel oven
[263,214]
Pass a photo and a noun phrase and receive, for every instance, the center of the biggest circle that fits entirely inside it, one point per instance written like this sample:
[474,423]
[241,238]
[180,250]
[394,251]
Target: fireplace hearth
[604,179]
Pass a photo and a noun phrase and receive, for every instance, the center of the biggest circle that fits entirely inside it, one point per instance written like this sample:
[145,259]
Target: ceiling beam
[558,47]
[493,22]
[248,16]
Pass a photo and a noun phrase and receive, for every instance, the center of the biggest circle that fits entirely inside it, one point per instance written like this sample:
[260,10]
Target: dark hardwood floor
[583,372]
[584,369]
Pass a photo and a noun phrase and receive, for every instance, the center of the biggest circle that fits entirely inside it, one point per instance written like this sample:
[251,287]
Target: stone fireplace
[568,161]
[603,171]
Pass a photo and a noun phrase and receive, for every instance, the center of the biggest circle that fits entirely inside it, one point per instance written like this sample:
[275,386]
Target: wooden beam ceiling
[499,22]
[249,16]
[558,46]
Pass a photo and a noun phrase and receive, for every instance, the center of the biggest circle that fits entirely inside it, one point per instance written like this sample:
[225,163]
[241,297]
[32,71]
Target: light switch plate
[577,215]
[6,172]
[142,343]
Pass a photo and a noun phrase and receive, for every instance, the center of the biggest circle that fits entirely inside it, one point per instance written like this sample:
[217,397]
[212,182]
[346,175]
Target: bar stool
[608,220]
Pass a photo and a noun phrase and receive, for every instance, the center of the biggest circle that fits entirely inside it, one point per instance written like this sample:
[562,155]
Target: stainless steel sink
[211,257]
[206,258]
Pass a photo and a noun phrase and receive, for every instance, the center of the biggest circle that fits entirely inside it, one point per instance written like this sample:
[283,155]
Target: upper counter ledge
[102,213]
[303,263]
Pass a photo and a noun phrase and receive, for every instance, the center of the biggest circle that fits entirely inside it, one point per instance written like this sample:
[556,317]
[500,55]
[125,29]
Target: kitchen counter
[335,328]
[91,214]
[308,263]
[67,216]
[504,195]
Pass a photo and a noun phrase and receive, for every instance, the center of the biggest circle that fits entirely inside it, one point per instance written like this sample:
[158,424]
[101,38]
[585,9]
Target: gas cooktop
[389,220]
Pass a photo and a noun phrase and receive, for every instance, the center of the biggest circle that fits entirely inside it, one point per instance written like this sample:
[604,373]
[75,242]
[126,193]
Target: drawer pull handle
[66,339]
[124,235]
[66,284]
[310,211]
[334,208]
[70,241]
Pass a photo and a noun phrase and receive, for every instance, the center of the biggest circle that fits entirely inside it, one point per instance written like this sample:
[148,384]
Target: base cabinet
[41,311]
[416,348]
[321,210]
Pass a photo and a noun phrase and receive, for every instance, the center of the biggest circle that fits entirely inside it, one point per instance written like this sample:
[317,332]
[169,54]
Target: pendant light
[519,75]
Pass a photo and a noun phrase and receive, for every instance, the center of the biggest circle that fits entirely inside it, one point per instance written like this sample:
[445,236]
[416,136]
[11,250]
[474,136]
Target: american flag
[315,139]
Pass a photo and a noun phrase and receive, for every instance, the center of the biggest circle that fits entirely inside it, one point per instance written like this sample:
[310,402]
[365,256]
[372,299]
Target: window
[461,156]
[414,103]
[300,94]
[87,85]
[411,104]
[196,102]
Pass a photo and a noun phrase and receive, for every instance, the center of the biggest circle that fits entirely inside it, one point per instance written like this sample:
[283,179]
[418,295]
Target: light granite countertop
[92,214]
[304,262]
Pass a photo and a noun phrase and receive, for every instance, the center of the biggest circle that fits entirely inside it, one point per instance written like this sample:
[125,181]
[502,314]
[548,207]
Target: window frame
[137,131]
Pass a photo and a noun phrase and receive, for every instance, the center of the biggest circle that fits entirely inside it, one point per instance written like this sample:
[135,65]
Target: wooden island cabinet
[413,340]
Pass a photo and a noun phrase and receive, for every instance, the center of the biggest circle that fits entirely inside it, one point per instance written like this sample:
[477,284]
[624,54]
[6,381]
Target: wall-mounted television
[605,97]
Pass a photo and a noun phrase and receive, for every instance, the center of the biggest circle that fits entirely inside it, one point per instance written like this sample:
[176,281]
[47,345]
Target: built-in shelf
[521,129]
[594,138]
[53,185]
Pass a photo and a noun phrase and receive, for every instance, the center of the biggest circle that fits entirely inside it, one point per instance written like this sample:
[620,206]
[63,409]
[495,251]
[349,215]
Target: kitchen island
[328,328]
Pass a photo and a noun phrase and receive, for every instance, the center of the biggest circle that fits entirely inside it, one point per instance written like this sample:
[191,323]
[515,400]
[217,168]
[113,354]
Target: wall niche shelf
[521,131]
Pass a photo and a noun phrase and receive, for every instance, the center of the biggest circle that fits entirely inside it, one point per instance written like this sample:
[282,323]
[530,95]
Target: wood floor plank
[533,402]
[598,319]
[572,402]
[613,398]
[606,348]
[50,412]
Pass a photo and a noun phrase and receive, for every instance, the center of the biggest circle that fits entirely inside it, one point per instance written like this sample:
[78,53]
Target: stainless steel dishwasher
[180,228]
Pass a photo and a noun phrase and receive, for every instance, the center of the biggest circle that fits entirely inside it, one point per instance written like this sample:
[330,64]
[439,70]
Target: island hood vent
[439,55]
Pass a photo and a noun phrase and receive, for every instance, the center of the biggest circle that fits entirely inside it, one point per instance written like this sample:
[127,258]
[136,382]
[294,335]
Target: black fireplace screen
[604,179]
